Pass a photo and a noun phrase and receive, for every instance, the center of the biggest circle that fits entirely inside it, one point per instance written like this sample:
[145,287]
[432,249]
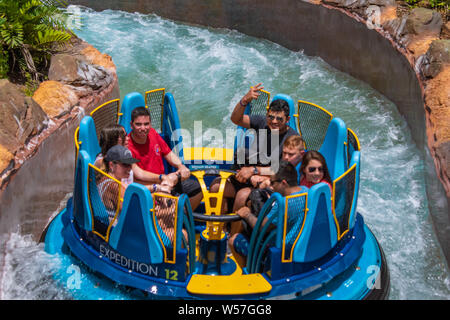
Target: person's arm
[247,216]
[237,116]
[259,181]
[250,218]
[175,162]
[246,173]
[141,175]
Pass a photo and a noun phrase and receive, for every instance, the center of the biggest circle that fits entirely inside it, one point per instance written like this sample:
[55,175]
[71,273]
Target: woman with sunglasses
[314,170]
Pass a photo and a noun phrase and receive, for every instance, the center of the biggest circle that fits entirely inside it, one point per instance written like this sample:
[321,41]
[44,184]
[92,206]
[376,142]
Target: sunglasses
[312,169]
[271,118]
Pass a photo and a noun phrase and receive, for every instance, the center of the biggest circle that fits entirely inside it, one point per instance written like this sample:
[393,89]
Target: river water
[207,71]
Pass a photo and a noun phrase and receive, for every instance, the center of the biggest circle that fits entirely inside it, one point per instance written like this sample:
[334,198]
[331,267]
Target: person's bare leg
[241,260]
[241,198]
[195,200]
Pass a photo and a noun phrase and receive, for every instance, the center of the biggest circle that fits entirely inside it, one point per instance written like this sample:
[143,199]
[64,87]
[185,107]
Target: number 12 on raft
[171,274]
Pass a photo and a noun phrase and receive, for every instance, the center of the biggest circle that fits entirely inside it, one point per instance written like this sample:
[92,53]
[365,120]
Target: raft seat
[294,244]
[318,234]
[130,102]
[334,148]
[87,137]
[135,235]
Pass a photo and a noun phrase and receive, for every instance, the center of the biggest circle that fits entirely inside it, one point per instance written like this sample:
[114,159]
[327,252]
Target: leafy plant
[4,67]
[434,4]
[29,31]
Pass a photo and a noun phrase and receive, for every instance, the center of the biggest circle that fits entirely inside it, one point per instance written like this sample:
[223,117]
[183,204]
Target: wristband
[160,177]
[154,187]
[240,102]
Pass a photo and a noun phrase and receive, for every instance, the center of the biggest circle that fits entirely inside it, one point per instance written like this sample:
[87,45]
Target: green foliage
[439,3]
[30,86]
[434,4]
[4,66]
[29,30]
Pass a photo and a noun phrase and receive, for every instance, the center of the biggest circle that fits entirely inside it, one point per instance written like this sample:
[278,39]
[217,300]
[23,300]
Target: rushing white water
[208,71]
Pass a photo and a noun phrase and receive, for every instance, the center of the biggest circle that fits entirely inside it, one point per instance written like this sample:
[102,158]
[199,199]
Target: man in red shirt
[147,145]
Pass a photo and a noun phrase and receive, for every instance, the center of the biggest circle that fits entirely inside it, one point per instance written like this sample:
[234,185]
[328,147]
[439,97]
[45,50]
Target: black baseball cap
[120,154]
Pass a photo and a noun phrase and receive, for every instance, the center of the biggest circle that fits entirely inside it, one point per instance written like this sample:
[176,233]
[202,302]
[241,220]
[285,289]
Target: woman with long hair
[314,170]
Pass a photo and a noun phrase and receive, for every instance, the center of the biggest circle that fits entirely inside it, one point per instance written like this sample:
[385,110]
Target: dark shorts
[190,186]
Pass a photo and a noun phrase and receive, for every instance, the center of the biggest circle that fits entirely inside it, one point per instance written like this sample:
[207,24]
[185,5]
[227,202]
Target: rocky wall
[37,135]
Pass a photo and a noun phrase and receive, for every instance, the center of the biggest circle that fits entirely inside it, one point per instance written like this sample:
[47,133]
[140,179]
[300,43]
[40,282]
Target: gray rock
[360,3]
[21,117]
[419,23]
[64,68]
[75,71]
[437,56]
[423,21]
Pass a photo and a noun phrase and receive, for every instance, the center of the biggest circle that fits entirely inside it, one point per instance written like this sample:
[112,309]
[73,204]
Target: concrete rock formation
[437,102]
[55,98]
[436,58]
[416,31]
[21,117]
[424,37]
[79,77]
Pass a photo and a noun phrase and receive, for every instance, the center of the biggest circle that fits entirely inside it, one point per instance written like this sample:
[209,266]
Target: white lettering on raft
[128,263]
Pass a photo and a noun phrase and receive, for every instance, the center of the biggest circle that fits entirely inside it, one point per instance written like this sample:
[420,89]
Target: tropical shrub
[4,67]
[434,4]
[30,30]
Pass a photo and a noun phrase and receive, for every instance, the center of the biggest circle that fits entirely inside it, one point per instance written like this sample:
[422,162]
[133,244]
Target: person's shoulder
[292,132]
[152,132]
[131,143]
[257,121]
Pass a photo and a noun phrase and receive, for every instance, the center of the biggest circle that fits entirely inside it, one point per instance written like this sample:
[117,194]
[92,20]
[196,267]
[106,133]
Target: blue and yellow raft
[330,254]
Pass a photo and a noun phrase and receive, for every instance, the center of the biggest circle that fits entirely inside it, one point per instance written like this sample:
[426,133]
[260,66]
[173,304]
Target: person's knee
[215,185]
[241,198]
[243,194]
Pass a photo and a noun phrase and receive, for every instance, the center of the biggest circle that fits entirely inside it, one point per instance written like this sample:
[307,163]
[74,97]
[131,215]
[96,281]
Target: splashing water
[208,71]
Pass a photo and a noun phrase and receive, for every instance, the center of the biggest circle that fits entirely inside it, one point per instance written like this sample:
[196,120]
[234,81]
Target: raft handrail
[188,222]
[162,235]
[257,237]
[119,200]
